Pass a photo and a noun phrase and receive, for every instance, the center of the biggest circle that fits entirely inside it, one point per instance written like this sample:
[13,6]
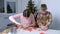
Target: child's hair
[43,6]
[26,13]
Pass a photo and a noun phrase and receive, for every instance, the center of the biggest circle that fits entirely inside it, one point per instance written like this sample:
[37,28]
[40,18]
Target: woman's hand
[19,25]
[22,25]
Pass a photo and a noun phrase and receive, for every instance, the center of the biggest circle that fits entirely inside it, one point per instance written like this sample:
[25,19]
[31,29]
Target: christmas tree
[31,7]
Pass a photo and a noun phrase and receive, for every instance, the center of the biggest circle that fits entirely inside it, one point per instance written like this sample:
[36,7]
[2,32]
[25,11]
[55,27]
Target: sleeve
[13,18]
[32,20]
[49,19]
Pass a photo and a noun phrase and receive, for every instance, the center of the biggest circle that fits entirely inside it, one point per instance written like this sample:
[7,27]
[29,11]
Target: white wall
[54,8]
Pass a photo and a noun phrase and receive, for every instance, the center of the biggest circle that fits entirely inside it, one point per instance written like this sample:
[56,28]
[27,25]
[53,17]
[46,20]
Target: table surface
[37,31]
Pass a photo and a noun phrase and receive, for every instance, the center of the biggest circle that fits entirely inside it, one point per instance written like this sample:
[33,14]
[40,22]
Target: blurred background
[11,7]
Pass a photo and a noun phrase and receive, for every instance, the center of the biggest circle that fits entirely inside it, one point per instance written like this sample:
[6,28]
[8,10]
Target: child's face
[43,8]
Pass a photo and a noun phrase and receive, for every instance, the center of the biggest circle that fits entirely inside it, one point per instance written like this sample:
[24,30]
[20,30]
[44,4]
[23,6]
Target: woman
[26,19]
[44,18]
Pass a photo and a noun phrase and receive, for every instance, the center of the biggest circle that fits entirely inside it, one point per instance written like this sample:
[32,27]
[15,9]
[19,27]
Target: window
[11,7]
[2,6]
[8,6]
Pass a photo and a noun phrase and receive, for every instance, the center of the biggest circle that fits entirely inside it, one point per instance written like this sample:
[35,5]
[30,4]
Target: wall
[53,7]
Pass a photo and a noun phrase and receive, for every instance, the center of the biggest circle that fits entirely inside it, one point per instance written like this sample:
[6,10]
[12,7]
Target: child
[26,19]
[44,18]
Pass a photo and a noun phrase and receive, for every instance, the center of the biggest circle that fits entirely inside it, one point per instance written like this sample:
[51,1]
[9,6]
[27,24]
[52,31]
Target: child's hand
[44,27]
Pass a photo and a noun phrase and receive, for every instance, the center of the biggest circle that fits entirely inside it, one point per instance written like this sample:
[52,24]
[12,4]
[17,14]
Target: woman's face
[26,13]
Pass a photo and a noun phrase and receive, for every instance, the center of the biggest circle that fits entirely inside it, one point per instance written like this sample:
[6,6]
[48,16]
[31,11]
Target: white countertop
[49,31]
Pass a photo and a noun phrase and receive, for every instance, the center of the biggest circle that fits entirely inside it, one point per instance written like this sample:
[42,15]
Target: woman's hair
[43,6]
[26,13]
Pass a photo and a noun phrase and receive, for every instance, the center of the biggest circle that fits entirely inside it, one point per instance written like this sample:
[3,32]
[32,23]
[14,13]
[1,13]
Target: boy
[44,18]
